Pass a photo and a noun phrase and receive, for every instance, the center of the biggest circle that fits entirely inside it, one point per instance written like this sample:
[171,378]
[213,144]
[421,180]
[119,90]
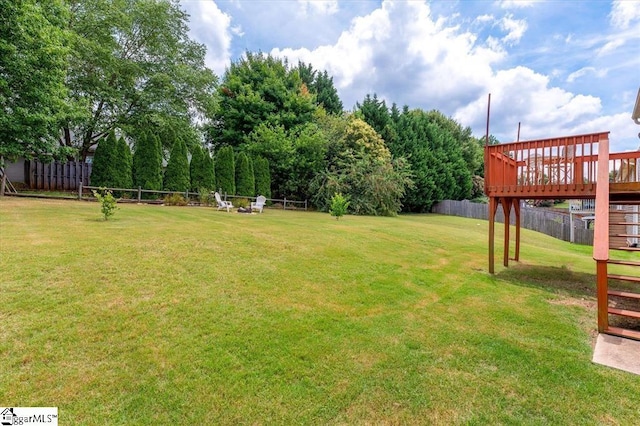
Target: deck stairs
[622,270]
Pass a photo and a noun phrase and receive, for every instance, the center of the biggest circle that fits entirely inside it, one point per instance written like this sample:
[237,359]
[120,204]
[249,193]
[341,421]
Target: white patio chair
[259,203]
[223,204]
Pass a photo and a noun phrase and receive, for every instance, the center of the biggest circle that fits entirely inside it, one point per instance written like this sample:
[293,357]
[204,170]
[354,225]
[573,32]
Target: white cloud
[515,29]
[624,12]
[323,7]
[210,26]
[401,52]
[513,4]
[610,46]
[580,73]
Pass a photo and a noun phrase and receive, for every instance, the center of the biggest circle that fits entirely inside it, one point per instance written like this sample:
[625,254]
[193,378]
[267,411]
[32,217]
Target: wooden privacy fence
[58,176]
[548,222]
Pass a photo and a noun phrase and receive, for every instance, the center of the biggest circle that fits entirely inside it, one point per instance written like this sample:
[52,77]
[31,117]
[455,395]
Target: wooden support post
[603,296]
[139,193]
[516,210]
[80,191]
[492,220]
[506,208]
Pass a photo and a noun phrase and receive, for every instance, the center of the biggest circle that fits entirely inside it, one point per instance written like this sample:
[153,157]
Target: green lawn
[170,315]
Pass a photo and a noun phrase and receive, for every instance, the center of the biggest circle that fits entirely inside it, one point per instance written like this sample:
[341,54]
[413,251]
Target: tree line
[86,71]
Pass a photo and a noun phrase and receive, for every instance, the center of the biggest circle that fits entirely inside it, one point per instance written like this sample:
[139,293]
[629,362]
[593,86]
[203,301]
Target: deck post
[603,296]
[516,209]
[492,220]
[506,209]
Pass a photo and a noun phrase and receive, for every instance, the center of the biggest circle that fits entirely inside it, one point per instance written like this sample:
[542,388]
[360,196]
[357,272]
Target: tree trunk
[3,183]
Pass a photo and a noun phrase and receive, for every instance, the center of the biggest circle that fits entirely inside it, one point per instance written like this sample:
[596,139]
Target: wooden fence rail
[548,222]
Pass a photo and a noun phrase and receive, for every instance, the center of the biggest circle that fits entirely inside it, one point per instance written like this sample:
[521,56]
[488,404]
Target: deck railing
[564,167]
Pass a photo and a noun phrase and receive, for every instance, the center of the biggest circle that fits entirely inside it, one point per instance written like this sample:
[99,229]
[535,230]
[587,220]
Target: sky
[558,68]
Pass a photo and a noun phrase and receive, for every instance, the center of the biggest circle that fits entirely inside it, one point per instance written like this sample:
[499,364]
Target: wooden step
[624,278]
[623,262]
[624,294]
[623,332]
[625,235]
[624,313]
[626,248]
[625,223]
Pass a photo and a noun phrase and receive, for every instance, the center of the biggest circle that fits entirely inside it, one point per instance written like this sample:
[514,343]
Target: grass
[168,315]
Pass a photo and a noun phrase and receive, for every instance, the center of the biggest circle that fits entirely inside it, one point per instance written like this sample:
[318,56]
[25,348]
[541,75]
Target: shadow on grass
[559,280]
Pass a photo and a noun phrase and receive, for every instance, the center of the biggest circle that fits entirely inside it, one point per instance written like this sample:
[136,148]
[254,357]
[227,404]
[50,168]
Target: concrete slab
[617,352]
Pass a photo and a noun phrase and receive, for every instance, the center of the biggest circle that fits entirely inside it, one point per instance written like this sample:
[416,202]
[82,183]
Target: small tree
[123,165]
[104,170]
[339,205]
[262,176]
[176,177]
[107,202]
[245,181]
[225,170]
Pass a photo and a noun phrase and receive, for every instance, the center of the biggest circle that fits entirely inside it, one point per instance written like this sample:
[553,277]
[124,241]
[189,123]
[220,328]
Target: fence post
[305,205]
[285,203]
[139,194]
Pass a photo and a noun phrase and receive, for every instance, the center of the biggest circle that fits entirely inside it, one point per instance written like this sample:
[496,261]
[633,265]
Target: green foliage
[197,168]
[225,170]
[107,202]
[256,90]
[204,196]
[241,202]
[277,146]
[176,176]
[245,180]
[262,176]
[124,164]
[339,205]
[175,199]
[209,174]
[147,162]
[132,64]
[320,85]
[103,169]
[33,61]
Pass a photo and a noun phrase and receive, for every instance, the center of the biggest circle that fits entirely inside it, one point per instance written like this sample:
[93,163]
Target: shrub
[204,196]
[339,205]
[174,199]
[196,168]
[107,202]
[241,202]
[123,165]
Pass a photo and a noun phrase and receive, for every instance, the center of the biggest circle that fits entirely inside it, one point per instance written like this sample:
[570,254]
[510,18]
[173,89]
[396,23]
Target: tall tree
[124,164]
[147,162]
[245,180]
[104,168]
[133,64]
[225,170]
[209,174]
[256,90]
[262,176]
[33,62]
[176,175]
[197,168]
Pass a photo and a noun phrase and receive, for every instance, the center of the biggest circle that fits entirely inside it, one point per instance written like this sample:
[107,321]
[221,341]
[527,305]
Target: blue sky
[559,67]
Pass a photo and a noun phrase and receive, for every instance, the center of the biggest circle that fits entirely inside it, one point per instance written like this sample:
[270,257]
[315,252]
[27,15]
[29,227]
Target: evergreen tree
[245,181]
[209,173]
[147,162]
[197,168]
[225,170]
[124,164]
[104,169]
[176,176]
[262,176]
[326,93]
